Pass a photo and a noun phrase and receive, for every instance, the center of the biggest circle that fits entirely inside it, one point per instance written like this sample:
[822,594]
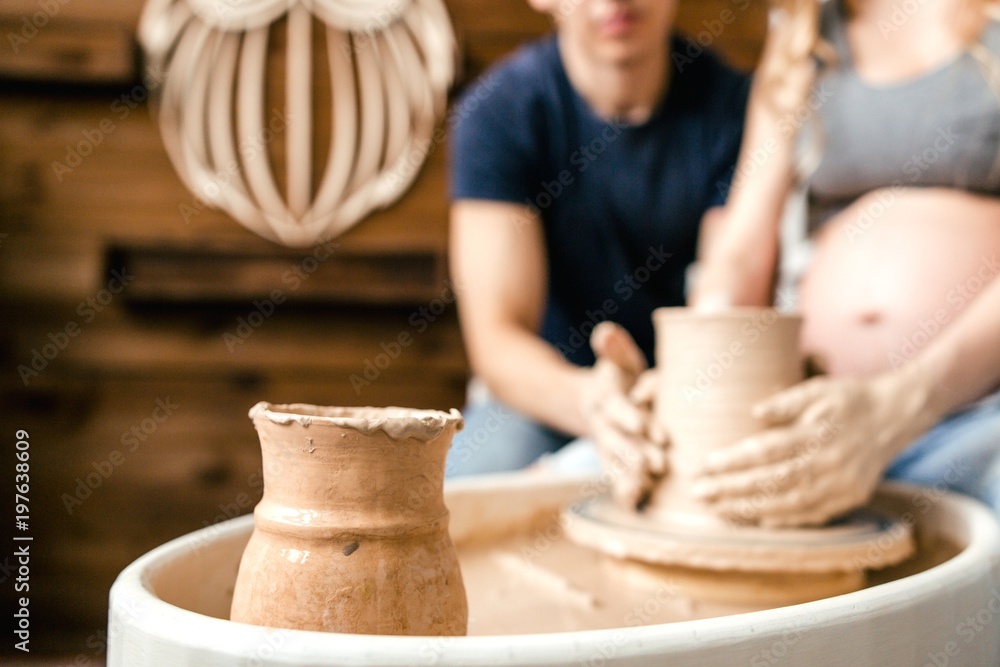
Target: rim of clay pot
[734,313]
[395,421]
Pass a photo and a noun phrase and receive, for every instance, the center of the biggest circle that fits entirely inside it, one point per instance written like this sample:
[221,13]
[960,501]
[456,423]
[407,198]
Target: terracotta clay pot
[713,368]
[351,534]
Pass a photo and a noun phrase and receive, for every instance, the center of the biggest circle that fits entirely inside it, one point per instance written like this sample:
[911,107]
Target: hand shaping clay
[712,368]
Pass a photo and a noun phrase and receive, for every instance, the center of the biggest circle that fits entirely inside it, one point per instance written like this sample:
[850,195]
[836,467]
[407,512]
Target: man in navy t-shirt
[582,167]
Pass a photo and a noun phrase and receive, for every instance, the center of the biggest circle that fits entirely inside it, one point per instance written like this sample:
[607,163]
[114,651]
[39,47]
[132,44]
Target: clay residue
[538,581]
[397,423]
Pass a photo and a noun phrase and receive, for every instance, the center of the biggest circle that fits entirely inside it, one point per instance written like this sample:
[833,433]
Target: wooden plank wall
[137,412]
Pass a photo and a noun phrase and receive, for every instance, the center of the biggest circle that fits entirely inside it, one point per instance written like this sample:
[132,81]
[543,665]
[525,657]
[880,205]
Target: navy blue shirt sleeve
[493,155]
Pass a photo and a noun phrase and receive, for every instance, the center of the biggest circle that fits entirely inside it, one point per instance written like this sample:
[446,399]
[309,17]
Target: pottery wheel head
[870,538]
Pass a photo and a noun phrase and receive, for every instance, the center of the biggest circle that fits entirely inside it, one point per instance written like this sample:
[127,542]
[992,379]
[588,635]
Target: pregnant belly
[894,270]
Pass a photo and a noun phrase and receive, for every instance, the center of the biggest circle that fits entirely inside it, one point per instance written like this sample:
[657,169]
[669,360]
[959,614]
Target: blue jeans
[498,439]
[961,453]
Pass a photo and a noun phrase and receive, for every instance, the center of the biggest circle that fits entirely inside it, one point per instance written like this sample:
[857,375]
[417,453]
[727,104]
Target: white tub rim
[134,587]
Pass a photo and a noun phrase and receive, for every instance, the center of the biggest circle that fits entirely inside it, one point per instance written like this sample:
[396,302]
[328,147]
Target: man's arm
[499,267]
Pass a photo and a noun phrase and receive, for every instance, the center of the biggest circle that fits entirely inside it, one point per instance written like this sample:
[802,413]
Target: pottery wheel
[868,538]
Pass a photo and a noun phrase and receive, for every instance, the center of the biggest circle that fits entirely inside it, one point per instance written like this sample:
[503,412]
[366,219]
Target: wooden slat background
[164,337]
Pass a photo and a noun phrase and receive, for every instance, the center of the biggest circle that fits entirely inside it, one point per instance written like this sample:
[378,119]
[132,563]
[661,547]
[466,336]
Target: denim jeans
[961,453]
[498,439]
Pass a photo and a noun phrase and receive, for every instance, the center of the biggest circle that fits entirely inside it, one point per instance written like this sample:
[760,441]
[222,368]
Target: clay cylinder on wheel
[351,534]
[713,368]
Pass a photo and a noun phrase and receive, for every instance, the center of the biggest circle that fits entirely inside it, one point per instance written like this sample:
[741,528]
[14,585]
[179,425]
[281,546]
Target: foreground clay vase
[713,368]
[351,534]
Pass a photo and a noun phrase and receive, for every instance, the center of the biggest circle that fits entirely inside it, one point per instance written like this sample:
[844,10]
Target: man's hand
[827,444]
[617,407]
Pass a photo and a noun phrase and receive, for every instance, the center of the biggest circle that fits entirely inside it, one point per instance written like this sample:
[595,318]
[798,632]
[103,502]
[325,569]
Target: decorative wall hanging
[390,62]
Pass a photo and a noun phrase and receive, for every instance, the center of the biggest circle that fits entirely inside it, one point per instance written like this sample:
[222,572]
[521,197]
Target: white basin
[169,607]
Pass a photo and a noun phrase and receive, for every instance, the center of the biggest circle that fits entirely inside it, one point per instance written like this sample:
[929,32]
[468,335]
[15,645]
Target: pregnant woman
[888,114]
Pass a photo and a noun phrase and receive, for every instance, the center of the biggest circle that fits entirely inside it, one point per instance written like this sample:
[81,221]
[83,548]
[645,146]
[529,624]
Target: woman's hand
[827,444]
[616,403]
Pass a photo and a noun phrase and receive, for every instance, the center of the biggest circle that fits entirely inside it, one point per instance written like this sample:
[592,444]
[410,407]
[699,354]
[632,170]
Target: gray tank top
[941,129]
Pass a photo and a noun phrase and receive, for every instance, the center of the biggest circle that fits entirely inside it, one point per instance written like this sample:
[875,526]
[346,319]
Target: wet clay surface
[397,423]
[713,368]
[537,581]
